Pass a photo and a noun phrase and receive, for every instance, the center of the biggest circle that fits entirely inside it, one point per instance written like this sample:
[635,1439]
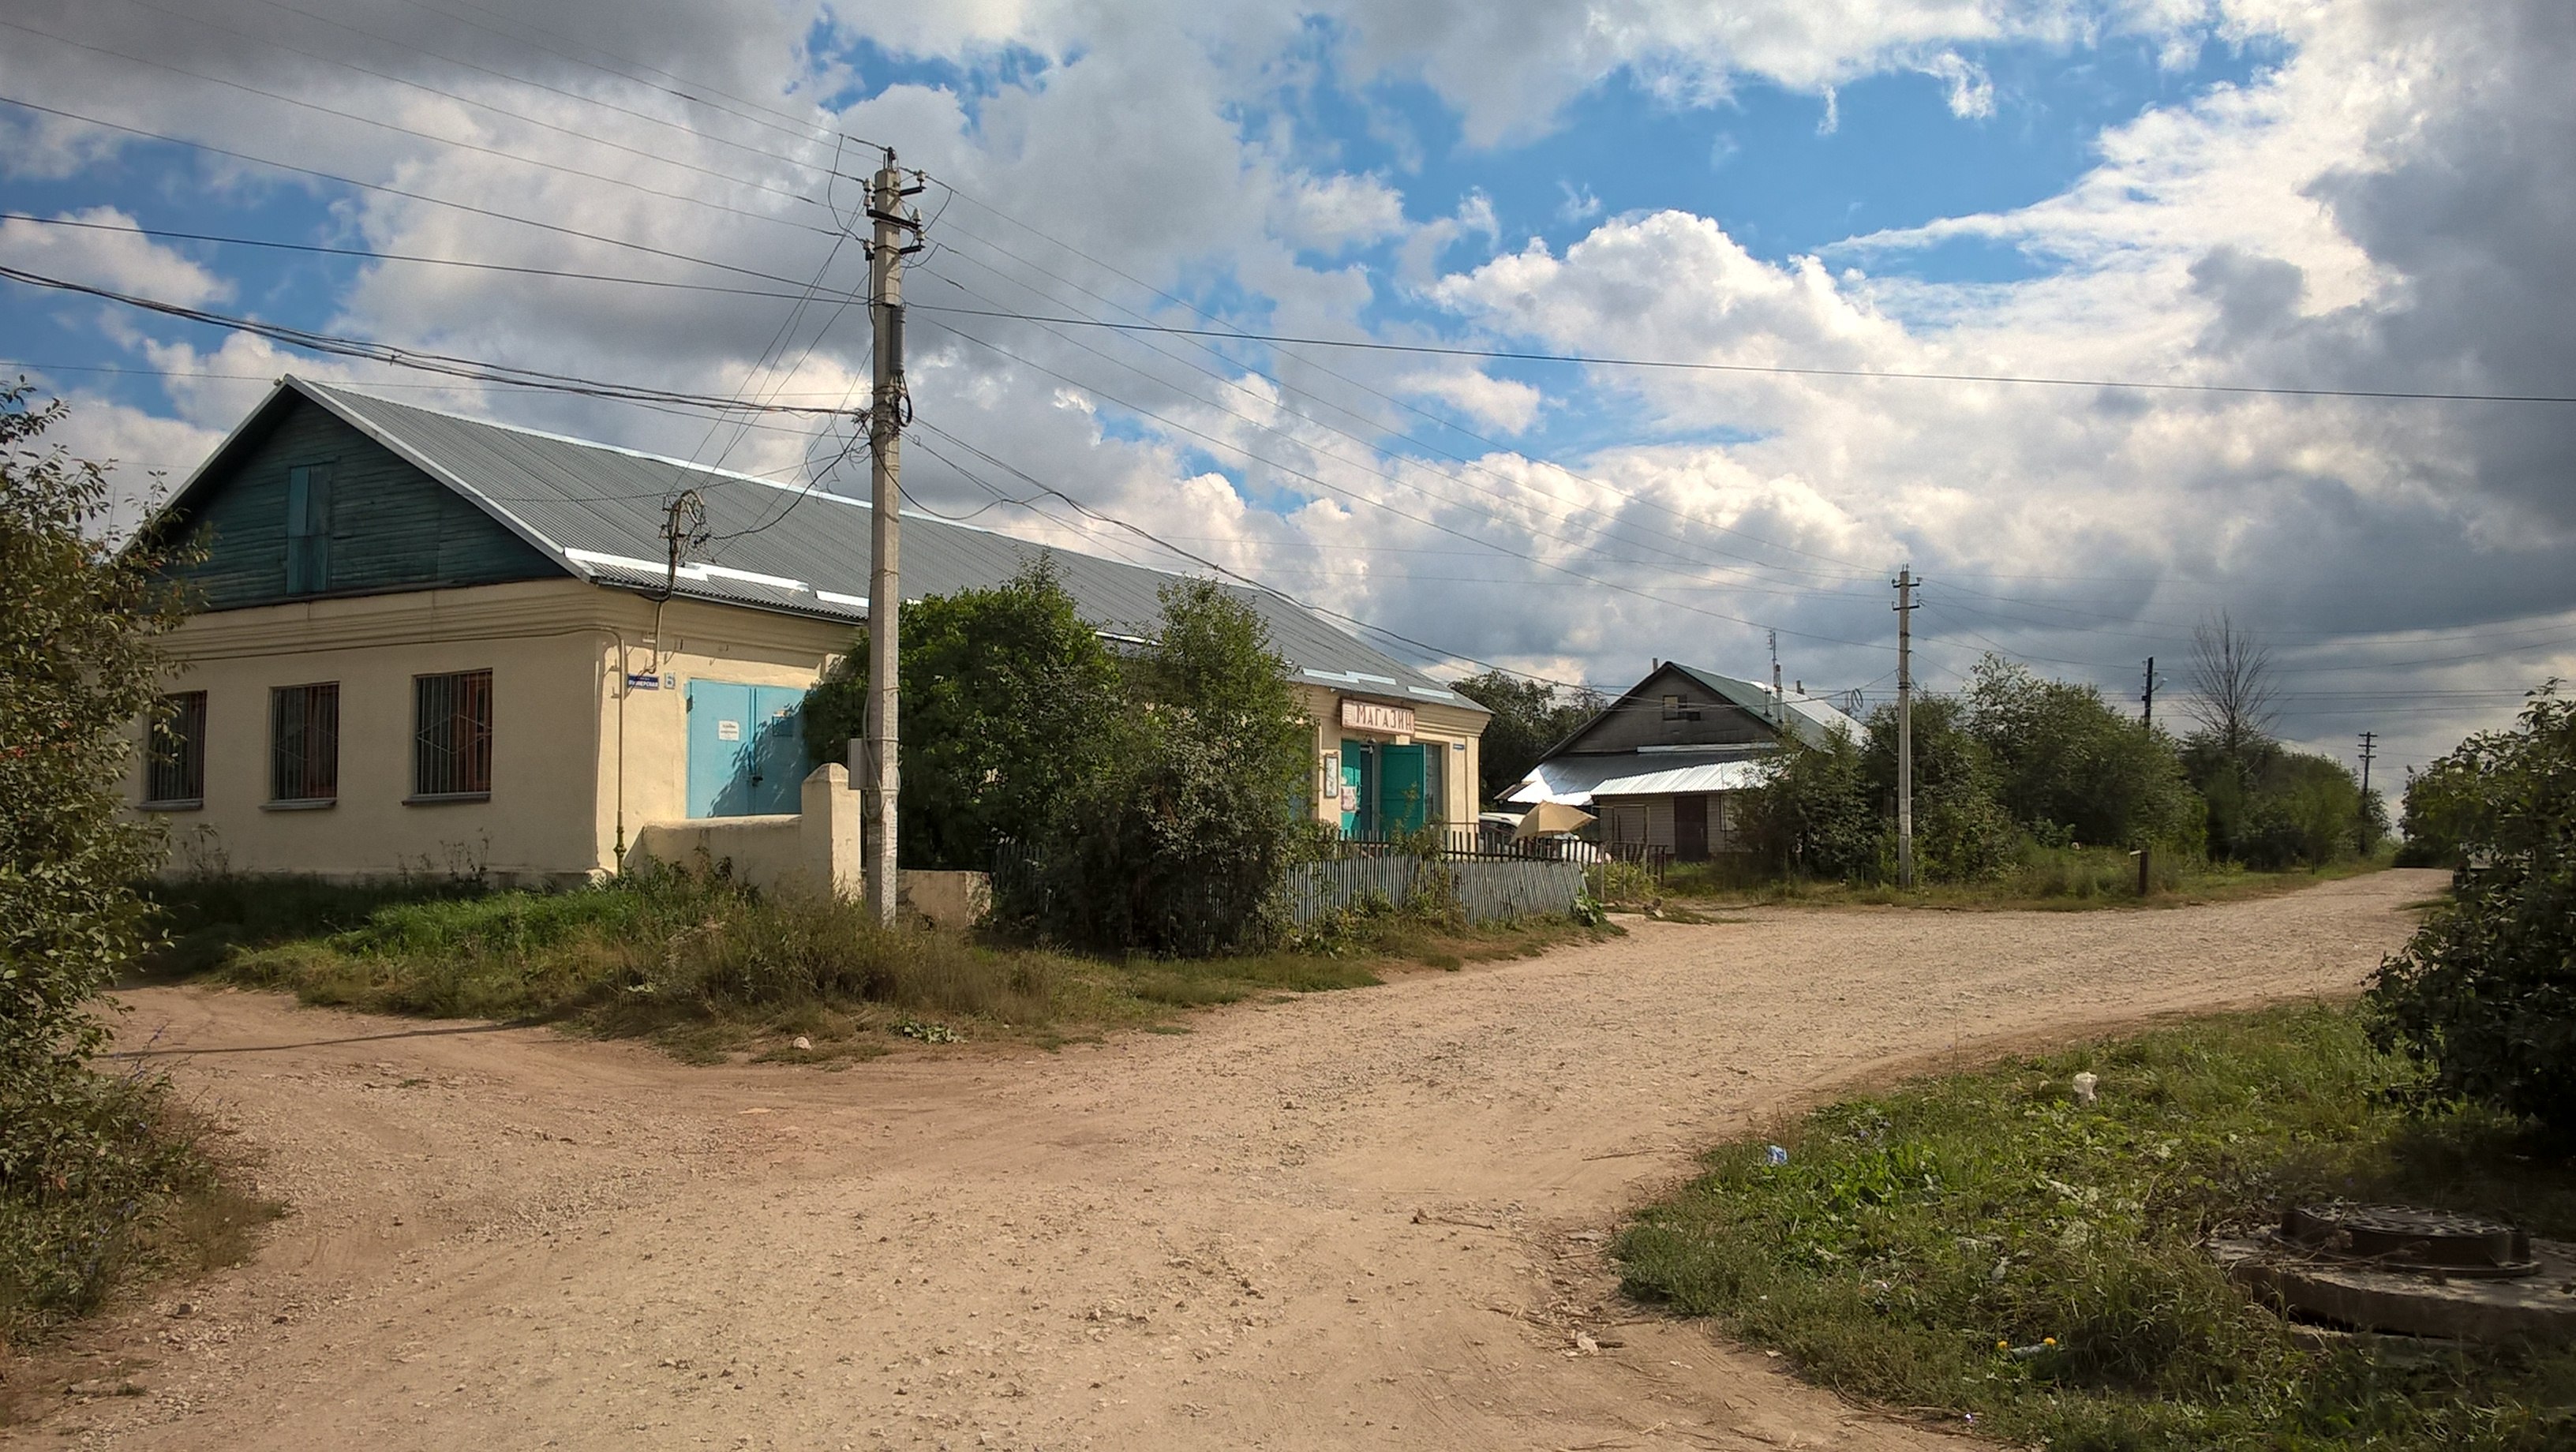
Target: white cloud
[2386,207]
[108,250]
[1580,204]
[1499,403]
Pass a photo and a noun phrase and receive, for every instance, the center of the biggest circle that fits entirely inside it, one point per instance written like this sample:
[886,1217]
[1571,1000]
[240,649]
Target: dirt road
[1357,1219]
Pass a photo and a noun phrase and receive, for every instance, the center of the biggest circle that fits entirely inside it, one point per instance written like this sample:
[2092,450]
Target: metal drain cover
[2408,1237]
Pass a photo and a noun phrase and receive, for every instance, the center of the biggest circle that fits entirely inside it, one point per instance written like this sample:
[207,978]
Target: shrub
[1004,697]
[2273,807]
[1182,843]
[2069,768]
[2484,994]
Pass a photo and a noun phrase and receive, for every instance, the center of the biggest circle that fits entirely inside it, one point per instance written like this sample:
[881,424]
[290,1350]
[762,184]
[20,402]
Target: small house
[1659,766]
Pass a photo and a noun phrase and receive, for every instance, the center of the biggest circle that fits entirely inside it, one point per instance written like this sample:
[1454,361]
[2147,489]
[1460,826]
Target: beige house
[436,644]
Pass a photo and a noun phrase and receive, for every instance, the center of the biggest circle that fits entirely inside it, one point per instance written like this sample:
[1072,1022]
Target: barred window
[175,775]
[304,743]
[452,735]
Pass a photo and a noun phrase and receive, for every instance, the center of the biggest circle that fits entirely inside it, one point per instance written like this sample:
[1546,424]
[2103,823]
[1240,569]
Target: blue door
[746,749]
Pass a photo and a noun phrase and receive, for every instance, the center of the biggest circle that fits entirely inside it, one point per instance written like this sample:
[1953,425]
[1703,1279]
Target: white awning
[1576,780]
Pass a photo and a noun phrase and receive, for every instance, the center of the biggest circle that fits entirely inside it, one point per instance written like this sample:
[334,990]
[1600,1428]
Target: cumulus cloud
[2385,208]
[105,248]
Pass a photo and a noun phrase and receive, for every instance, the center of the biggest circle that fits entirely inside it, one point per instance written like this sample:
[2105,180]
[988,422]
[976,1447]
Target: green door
[1404,790]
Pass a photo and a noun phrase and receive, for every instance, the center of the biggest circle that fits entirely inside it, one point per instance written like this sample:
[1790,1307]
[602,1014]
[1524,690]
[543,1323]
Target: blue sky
[2229,191]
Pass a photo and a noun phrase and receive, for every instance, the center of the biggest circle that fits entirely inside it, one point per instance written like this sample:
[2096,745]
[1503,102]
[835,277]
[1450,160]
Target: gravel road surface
[1362,1219]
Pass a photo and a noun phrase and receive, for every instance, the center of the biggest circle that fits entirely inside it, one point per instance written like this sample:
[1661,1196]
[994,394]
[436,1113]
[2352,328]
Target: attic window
[308,529]
[1676,709]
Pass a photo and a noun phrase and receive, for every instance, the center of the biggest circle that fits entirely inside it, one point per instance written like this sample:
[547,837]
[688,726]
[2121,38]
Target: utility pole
[896,235]
[1779,703]
[1904,583]
[2369,752]
[2147,715]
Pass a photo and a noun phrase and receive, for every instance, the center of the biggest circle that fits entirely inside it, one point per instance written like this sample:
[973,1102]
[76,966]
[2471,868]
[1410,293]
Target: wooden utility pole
[1904,583]
[2369,753]
[1779,703]
[2147,712]
[896,235]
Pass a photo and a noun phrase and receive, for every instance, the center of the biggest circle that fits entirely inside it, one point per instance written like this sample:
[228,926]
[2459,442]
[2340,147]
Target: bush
[2272,807]
[2070,769]
[1183,843]
[2484,994]
[1004,697]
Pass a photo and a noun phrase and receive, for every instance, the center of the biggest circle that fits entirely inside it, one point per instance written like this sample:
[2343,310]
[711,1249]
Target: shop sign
[1372,716]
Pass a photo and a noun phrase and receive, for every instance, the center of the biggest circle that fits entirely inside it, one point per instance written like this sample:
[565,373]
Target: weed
[1984,1244]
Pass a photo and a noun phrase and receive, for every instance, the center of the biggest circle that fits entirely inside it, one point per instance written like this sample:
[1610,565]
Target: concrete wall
[549,664]
[815,849]
[590,727]
[581,758]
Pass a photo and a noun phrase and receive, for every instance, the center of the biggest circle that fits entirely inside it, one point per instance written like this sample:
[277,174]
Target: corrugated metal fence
[1489,888]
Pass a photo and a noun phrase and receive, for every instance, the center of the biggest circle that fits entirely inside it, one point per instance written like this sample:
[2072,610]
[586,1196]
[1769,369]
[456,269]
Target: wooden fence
[1490,888]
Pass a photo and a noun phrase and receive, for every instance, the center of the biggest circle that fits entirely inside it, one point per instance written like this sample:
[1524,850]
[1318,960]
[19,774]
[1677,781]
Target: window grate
[452,735]
[304,743]
[177,770]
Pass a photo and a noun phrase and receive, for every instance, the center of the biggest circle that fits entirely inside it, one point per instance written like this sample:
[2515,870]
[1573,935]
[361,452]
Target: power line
[1776,369]
[441,363]
[1355,498]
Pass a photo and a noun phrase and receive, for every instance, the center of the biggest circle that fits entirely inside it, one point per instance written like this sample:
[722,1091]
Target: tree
[2484,994]
[2232,685]
[2271,806]
[1004,697]
[2069,768]
[1182,842]
[80,620]
[1529,717]
[78,668]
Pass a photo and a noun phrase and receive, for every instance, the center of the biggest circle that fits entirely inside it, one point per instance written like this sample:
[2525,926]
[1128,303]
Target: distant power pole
[2147,711]
[896,235]
[1779,703]
[2369,751]
[1905,607]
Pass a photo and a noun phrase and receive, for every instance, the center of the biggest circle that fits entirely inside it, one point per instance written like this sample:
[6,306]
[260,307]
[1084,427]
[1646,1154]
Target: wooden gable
[301,505]
[1670,707]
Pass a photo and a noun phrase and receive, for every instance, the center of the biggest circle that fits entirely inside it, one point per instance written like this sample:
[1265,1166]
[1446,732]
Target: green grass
[2046,879]
[1912,1238]
[709,969]
[102,1188]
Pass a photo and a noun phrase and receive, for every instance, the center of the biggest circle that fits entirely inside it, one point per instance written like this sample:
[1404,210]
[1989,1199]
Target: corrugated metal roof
[600,509]
[1808,717]
[1577,780]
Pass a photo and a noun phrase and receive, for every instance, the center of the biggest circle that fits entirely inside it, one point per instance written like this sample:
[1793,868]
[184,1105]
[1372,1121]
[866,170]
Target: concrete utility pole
[1779,703]
[896,235]
[1904,583]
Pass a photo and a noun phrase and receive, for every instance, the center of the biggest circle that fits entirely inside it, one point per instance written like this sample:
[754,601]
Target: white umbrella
[1549,819]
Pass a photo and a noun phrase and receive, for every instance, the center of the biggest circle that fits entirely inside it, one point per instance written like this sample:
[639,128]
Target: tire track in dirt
[1371,1218]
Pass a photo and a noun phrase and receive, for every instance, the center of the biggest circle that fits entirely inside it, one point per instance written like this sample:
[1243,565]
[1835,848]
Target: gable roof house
[1659,765]
[429,642]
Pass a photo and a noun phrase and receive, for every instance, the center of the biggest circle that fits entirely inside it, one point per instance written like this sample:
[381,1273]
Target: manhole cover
[2407,1237]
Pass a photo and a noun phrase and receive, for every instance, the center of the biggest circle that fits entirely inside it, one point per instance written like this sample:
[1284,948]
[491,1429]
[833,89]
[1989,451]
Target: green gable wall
[393,527]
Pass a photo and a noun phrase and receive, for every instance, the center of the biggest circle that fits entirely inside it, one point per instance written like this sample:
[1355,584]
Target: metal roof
[1577,780]
[1810,718]
[599,509]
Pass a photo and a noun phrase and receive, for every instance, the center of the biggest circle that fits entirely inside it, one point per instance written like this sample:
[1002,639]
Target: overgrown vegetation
[95,1176]
[1182,842]
[2484,995]
[2031,787]
[1137,802]
[703,965]
[1980,1245]
[1005,699]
